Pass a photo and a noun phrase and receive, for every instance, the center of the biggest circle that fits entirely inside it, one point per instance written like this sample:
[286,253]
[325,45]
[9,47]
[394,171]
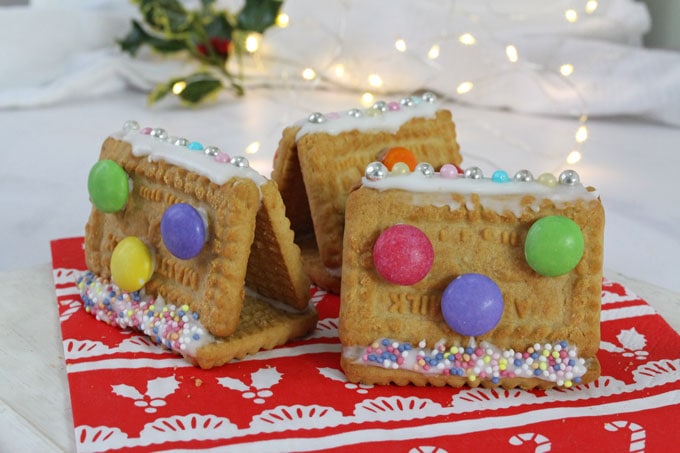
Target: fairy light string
[479,41]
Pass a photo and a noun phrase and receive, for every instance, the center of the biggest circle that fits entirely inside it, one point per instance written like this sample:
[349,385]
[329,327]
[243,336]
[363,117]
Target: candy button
[131,264]
[183,231]
[554,245]
[399,154]
[472,304]
[403,254]
[108,186]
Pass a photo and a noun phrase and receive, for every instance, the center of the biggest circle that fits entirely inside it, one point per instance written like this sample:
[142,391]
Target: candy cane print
[542,442]
[637,433]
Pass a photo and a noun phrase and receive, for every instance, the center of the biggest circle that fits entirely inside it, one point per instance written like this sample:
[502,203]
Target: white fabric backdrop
[58,50]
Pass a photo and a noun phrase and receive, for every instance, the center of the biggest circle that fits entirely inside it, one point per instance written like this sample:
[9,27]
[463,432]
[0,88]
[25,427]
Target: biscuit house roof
[321,157]
[248,242]
[475,227]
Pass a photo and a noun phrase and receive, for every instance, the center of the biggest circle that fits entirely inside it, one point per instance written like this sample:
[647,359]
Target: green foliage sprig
[208,35]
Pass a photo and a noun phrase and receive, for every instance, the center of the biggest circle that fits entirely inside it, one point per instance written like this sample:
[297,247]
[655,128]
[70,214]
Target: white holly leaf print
[127,391]
[264,378]
[161,387]
[632,339]
[333,374]
[233,384]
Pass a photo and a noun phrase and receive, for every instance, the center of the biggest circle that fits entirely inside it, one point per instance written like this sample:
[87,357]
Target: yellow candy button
[131,264]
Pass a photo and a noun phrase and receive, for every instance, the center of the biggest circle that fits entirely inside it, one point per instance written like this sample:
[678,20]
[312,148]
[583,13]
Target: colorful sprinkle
[153,316]
[485,362]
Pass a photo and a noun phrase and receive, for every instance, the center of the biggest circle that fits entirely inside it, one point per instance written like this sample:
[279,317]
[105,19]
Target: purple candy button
[472,304]
[183,231]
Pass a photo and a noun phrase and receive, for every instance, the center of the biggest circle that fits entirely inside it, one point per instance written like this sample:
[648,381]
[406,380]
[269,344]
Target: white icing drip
[435,190]
[195,161]
[389,121]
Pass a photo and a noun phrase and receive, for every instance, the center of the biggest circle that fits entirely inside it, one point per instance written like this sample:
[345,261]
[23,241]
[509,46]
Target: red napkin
[129,394]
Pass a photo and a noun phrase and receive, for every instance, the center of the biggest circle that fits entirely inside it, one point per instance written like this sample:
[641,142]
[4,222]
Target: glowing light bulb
[574,156]
[433,53]
[253,148]
[367,99]
[282,20]
[252,42]
[178,87]
[567,69]
[464,87]
[375,80]
[467,39]
[511,52]
[400,45]
[581,134]
[571,15]
[339,70]
[591,6]
[308,74]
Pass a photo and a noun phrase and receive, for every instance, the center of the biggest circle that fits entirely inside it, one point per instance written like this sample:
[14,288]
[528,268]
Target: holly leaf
[127,391]
[199,87]
[137,37]
[161,90]
[258,15]
[161,387]
[166,16]
[265,378]
[233,384]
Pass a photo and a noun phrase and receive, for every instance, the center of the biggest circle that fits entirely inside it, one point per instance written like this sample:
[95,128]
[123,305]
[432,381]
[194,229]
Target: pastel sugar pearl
[554,245]
[547,179]
[472,304]
[500,176]
[108,186]
[448,171]
[403,254]
[183,231]
[400,168]
[131,264]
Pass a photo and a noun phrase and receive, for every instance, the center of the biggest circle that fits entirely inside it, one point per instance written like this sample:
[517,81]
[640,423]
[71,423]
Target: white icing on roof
[196,161]
[370,120]
[436,190]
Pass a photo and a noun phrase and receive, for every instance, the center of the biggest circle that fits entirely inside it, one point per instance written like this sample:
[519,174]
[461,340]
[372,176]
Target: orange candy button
[399,154]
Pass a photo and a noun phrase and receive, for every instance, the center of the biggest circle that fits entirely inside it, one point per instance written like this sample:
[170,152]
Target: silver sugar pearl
[159,133]
[375,171]
[355,113]
[425,168]
[569,178]
[473,173]
[316,118]
[407,102]
[429,97]
[381,106]
[131,125]
[211,150]
[524,176]
[240,162]
[180,141]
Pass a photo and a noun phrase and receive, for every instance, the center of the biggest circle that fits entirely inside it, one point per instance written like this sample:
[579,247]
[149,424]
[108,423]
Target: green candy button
[108,186]
[554,245]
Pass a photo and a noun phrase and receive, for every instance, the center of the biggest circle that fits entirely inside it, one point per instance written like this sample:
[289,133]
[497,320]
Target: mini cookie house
[202,233]
[457,279]
[320,158]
